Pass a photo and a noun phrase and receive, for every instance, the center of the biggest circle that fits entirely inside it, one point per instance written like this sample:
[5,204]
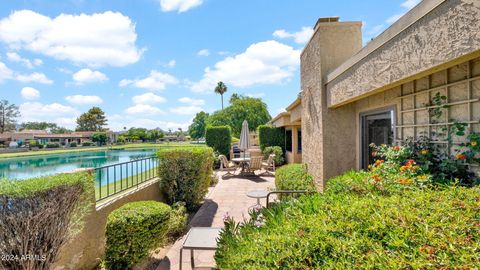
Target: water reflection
[27,167]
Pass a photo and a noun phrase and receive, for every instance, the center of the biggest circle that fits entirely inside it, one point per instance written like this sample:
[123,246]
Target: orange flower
[376,177]
[379,161]
[396,148]
[370,166]
[410,162]
[460,156]
[403,168]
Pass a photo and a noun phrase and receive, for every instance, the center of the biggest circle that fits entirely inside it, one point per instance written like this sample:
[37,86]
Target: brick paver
[228,196]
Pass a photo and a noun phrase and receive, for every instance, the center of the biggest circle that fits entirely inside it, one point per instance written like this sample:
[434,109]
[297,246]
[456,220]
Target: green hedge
[350,227]
[135,229]
[271,136]
[45,212]
[219,138]
[52,145]
[185,173]
[293,177]
[277,150]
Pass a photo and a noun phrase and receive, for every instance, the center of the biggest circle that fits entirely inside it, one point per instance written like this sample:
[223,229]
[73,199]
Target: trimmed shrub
[432,228]
[271,136]
[293,177]
[277,150]
[185,174]
[52,145]
[133,230]
[88,144]
[219,138]
[39,215]
[73,144]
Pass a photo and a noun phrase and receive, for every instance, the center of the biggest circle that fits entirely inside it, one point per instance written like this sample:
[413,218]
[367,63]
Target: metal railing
[115,178]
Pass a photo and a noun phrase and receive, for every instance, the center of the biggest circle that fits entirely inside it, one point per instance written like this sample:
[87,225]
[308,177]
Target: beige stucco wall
[435,51]
[326,133]
[88,247]
[447,33]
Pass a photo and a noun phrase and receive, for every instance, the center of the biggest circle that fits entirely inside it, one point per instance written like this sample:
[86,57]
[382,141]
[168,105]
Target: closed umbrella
[244,143]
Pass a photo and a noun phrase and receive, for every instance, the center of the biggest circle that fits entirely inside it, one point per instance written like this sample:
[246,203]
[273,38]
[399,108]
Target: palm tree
[221,88]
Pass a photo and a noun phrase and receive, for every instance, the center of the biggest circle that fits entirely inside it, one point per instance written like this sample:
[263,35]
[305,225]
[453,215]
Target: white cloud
[154,82]
[96,40]
[179,5]
[87,75]
[33,77]
[186,110]
[191,101]
[5,72]
[409,4]
[300,37]
[148,98]
[15,57]
[255,95]
[84,100]
[117,122]
[30,93]
[143,109]
[267,62]
[204,52]
[395,17]
[54,112]
[172,63]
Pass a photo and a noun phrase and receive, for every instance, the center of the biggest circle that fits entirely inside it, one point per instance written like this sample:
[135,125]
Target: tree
[197,128]
[154,134]
[100,138]
[38,125]
[135,134]
[254,110]
[8,114]
[60,130]
[221,89]
[93,120]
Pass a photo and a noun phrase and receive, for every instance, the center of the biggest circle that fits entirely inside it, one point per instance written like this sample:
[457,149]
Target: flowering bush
[352,227]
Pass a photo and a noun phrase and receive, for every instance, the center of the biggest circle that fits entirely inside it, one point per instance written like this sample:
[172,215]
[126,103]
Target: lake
[34,166]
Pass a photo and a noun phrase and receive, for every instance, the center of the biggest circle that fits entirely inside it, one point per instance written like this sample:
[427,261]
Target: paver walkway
[228,196]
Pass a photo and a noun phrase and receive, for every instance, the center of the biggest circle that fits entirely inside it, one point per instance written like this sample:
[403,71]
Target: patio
[228,196]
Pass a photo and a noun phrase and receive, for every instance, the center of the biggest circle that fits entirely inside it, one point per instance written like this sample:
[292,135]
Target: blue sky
[154,63]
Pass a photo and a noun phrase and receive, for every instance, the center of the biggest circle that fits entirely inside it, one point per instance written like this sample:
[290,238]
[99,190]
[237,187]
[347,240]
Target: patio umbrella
[244,143]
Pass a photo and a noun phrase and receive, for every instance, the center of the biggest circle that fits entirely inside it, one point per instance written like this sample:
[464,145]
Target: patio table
[242,162]
[258,194]
[199,238]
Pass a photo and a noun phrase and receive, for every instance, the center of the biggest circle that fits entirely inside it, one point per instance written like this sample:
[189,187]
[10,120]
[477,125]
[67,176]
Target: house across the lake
[382,93]
[44,137]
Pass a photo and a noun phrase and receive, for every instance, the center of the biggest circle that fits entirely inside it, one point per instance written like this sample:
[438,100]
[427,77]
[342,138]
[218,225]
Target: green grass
[131,181]
[82,149]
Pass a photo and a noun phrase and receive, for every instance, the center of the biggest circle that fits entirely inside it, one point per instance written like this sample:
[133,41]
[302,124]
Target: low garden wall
[86,249]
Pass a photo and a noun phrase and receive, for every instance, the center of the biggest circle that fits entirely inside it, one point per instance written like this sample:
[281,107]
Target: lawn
[124,184]
[81,149]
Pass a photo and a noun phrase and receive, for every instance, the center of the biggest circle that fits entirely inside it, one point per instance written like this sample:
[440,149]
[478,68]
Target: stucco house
[354,95]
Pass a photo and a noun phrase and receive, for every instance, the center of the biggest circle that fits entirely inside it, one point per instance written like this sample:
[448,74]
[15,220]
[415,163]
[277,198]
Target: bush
[52,145]
[219,139]
[277,150]
[32,143]
[185,174]
[415,229]
[73,144]
[271,136]
[133,230]
[294,177]
[88,144]
[39,215]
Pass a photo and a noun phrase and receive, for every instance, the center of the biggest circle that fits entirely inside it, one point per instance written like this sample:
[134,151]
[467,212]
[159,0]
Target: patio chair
[269,165]
[225,165]
[255,164]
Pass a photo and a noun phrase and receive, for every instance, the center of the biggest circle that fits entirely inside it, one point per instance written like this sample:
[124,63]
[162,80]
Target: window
[288,140]
[299,140]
